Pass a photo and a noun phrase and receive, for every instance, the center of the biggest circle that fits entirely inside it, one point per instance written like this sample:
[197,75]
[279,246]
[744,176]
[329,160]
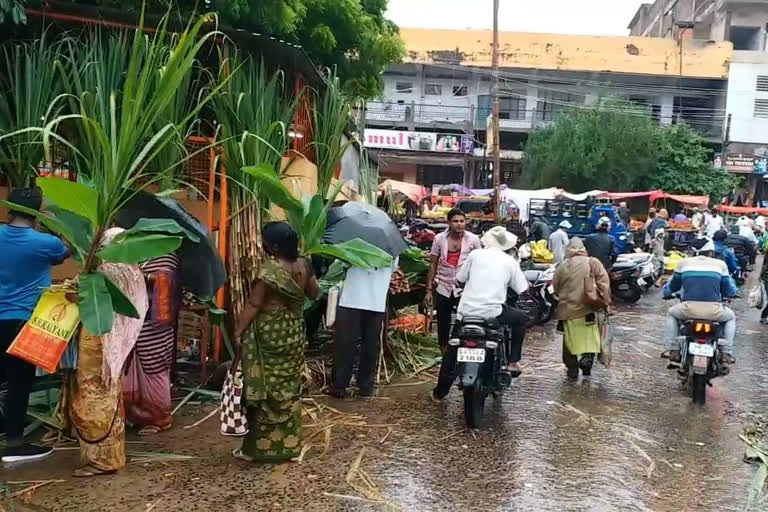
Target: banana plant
[309,217]
[118,136]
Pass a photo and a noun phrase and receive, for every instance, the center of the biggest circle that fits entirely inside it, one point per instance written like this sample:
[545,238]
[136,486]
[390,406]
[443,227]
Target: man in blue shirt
[725,253]
[26,257]
[703,283]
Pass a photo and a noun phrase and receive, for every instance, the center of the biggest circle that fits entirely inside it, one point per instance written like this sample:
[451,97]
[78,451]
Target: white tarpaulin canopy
[521,198]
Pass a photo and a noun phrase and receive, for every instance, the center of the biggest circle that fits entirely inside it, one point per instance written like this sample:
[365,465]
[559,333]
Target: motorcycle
[481,358]
[700,357]
[627,280]
[651,268]
[539,301]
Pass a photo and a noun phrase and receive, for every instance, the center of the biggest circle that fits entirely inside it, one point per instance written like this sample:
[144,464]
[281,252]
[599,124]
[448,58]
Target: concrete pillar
[667,109]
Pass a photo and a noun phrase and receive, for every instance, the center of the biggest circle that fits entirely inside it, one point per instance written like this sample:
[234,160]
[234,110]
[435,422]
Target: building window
[762,83]
[433,90]
[552,103]
[459,90]
[761,109]
[746,38]
[404,87]
[512,107]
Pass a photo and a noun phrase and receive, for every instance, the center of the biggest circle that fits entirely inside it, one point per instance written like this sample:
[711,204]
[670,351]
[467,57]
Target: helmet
[604,221]
[720,236]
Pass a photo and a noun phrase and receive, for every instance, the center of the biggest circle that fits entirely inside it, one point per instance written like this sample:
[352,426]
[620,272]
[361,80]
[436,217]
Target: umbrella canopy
[202,271]
[360,220]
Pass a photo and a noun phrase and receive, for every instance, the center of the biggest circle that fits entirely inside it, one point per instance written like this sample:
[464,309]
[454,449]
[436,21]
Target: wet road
[626,439]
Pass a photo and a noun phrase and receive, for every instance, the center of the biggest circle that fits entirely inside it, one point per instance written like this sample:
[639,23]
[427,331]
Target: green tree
[608,147]
[352,36]
[685,166]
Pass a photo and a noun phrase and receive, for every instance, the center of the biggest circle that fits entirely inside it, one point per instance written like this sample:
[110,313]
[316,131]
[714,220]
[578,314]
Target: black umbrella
[361,220]
[202,271]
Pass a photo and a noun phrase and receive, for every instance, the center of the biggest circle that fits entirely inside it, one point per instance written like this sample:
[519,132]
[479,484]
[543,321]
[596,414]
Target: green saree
[273,362]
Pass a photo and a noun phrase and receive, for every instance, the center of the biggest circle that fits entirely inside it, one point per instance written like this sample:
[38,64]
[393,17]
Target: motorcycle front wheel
[474,403]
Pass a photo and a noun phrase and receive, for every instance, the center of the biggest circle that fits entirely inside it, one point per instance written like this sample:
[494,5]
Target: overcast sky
[598,17]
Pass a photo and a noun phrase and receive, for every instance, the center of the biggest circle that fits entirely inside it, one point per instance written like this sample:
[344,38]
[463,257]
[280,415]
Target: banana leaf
[139,248]
[95,303]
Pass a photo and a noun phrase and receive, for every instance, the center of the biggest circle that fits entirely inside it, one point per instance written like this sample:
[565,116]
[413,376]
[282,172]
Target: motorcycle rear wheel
[699,389]
[474,403]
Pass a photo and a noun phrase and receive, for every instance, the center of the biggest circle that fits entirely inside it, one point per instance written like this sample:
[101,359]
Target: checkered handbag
[232,415]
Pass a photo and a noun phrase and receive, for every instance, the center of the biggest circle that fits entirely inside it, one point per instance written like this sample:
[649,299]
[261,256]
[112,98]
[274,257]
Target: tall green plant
[331,116]
[119,136]
[254,112]
[309,217]
[29,83]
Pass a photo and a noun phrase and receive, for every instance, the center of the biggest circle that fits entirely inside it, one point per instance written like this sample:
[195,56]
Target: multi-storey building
[430,124]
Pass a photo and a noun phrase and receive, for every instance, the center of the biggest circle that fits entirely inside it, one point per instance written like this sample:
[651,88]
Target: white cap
[604,221]
[499,238]
[565,224]
[659,232]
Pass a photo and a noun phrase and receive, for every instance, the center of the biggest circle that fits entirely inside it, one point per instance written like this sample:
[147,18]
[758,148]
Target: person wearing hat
[486,275]
[558,240]
[702,283]
[25,271]
[602,245]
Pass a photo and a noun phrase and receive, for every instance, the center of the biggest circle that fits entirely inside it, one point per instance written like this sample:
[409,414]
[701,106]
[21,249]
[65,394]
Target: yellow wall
[644,55]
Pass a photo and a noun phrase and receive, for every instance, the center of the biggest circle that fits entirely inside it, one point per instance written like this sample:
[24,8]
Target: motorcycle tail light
[701,340]
[491,344]
[703,327]
[470,344]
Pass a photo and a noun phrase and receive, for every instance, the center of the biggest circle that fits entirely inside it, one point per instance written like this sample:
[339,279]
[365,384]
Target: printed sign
[419,141]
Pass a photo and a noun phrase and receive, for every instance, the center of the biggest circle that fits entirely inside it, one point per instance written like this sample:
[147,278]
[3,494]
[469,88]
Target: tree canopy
[614,146]
[352,36]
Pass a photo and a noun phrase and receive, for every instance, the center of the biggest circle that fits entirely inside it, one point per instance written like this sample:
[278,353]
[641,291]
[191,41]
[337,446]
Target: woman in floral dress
[270,340]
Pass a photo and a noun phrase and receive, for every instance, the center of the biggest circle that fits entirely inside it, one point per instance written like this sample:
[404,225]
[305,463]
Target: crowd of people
[124,376]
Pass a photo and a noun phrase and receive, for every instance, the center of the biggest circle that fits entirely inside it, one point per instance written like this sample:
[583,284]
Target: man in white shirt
[714,224]
[559,240]
[359,319]
[488,273]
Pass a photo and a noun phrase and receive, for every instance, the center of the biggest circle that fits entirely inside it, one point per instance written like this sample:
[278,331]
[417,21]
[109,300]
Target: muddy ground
[626,439]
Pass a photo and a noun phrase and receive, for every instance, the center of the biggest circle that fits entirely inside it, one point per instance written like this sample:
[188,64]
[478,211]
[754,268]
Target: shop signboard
[419,141]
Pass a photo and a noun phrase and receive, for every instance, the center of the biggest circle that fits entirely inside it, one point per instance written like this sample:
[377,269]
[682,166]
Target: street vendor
[449,252]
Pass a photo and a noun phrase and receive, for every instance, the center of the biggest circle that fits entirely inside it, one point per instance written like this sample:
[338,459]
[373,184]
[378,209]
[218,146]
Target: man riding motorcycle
[725,253]
[703,282]
[487,273]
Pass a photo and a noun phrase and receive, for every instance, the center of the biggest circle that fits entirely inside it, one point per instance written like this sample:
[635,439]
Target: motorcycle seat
[532,275]
[621,265]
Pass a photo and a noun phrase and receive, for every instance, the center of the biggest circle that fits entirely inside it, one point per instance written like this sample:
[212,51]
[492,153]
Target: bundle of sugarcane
[244,248]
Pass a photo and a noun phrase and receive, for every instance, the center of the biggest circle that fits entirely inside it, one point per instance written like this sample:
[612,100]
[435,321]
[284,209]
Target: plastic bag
[606,339]
[232,410]
[758,297]
[334,294]
[44,337]
[540,253]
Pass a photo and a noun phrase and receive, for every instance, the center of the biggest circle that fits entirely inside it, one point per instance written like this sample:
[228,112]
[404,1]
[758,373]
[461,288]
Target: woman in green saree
[270,342]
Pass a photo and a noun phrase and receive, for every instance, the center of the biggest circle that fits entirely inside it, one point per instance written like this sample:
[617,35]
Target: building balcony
[404,114]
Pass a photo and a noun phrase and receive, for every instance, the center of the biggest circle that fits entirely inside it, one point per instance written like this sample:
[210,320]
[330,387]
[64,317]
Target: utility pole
[495,95]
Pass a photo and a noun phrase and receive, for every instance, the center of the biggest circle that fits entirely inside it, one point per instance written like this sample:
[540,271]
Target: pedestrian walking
[449,252]
[623,213]
[558,240]
[25,271]
[270,342]
[584,289]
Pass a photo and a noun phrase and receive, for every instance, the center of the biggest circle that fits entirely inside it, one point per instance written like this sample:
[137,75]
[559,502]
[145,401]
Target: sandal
[151,430]
[238,454]
[88,471]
